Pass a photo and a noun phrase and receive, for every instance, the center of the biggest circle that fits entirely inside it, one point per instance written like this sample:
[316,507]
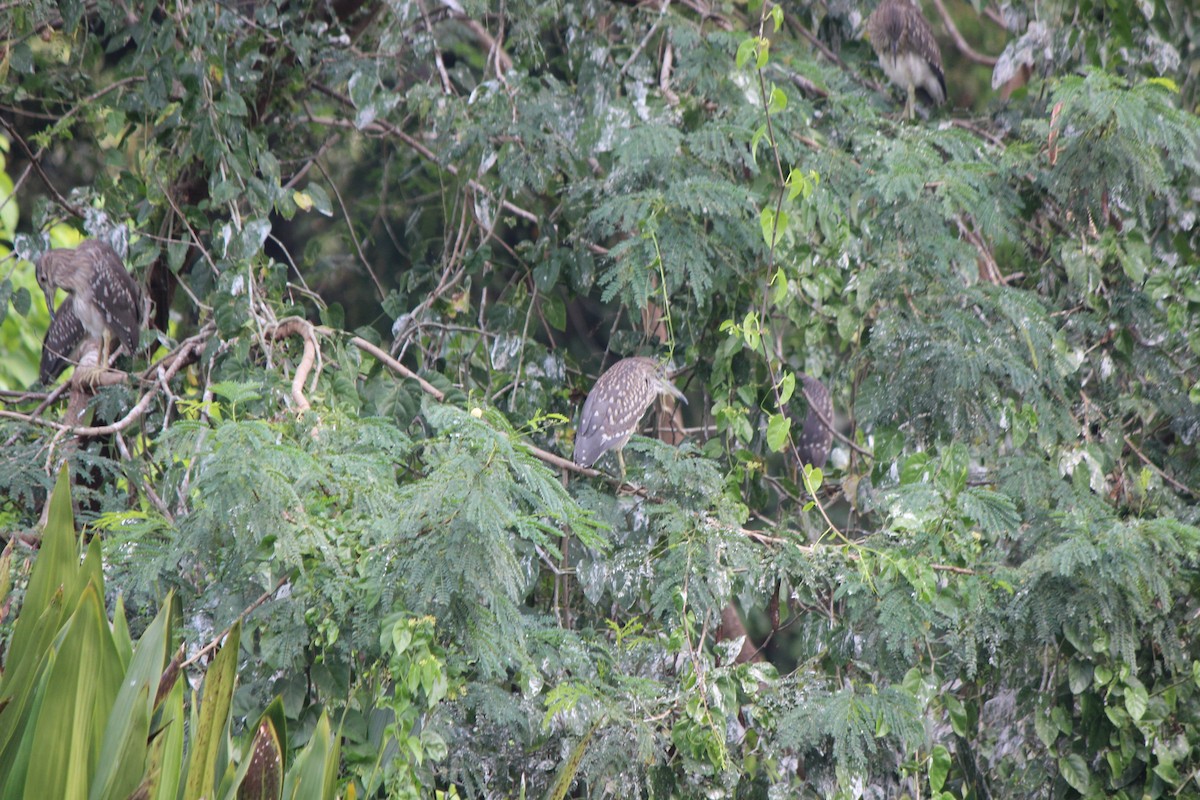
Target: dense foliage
[389,247]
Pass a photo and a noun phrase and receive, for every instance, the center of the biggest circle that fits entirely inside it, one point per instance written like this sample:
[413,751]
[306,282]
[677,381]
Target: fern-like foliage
[851,724]
[1137,140]
[472,531]
[961,360]
[1106,582]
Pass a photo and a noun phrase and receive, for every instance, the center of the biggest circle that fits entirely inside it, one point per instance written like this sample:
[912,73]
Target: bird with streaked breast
[816,437]
[102,299]
[615,406]
[907,51]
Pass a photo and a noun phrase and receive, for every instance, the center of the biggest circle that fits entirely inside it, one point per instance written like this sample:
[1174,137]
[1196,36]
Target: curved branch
[295,326]
[969,52]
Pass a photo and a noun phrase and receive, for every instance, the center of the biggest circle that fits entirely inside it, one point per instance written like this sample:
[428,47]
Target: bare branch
[959,42]
[397,367]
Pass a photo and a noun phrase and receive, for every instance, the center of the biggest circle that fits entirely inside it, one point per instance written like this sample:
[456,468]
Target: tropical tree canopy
[386,250]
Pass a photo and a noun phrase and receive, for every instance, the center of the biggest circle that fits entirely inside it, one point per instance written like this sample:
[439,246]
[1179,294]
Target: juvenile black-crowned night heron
[907,51]
[816,438]
[615,406]
[102,299]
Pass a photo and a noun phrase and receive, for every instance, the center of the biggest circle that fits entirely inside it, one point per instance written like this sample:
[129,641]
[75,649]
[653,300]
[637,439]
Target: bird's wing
[62,337]
[816,438]
[114,292]
[589,444]
[921,41]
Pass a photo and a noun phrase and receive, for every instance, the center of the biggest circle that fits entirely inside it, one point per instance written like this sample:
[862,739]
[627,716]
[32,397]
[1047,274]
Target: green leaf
[801,184]
[50,596]
[787,387]
[994,512]
[5,573]
[313,775]
[759,134]
[813,478]
[57,565]
[939,767]
[82,683]
[124,751]
[764,52]
[120,631]
[959,719]
[1167,771]
[21,301]
[776,14]
[10,210]
[1076,773]
[1079,675]
[555,311]
[566,774]
[164,767]
[1045,728]
[319,199]
[773,225]
[751,333]
[778,101]
[1136,698]
[434,745]
[766,221]
[779,426]
[1166,83]
[746,50]
[208,738]
[779,288]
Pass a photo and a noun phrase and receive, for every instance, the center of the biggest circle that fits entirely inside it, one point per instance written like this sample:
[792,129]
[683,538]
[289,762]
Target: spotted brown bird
[102,300]
[615,406]
[907,51]
[816,438]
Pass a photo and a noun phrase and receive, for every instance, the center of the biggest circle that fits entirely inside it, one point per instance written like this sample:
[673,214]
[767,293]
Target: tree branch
[295,326]
[959,42]
[397,367]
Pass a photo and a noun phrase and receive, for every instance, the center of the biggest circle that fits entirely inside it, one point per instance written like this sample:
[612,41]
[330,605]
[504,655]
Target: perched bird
[615,406]
[907,51]
[102,300]
[816,437]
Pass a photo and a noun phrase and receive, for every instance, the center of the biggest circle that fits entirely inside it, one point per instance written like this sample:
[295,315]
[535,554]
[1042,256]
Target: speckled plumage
[616,404]
[62,337]
[816,438]
[102,297]
[907,50]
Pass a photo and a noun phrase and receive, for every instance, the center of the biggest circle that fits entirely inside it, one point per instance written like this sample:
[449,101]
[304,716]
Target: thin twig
[350,227]
[959,41]
[1154,468]
[216,640]
[396,366]
[386,127]
[637,51]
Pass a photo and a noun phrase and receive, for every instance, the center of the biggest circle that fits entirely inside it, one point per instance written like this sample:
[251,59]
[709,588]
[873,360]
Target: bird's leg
[90,369]
[621,462]
[104,345]
[96,375]
[910,109]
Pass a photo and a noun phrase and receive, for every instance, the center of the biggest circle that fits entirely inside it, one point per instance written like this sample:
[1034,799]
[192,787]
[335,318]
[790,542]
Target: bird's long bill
[674,391]
[49,291]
